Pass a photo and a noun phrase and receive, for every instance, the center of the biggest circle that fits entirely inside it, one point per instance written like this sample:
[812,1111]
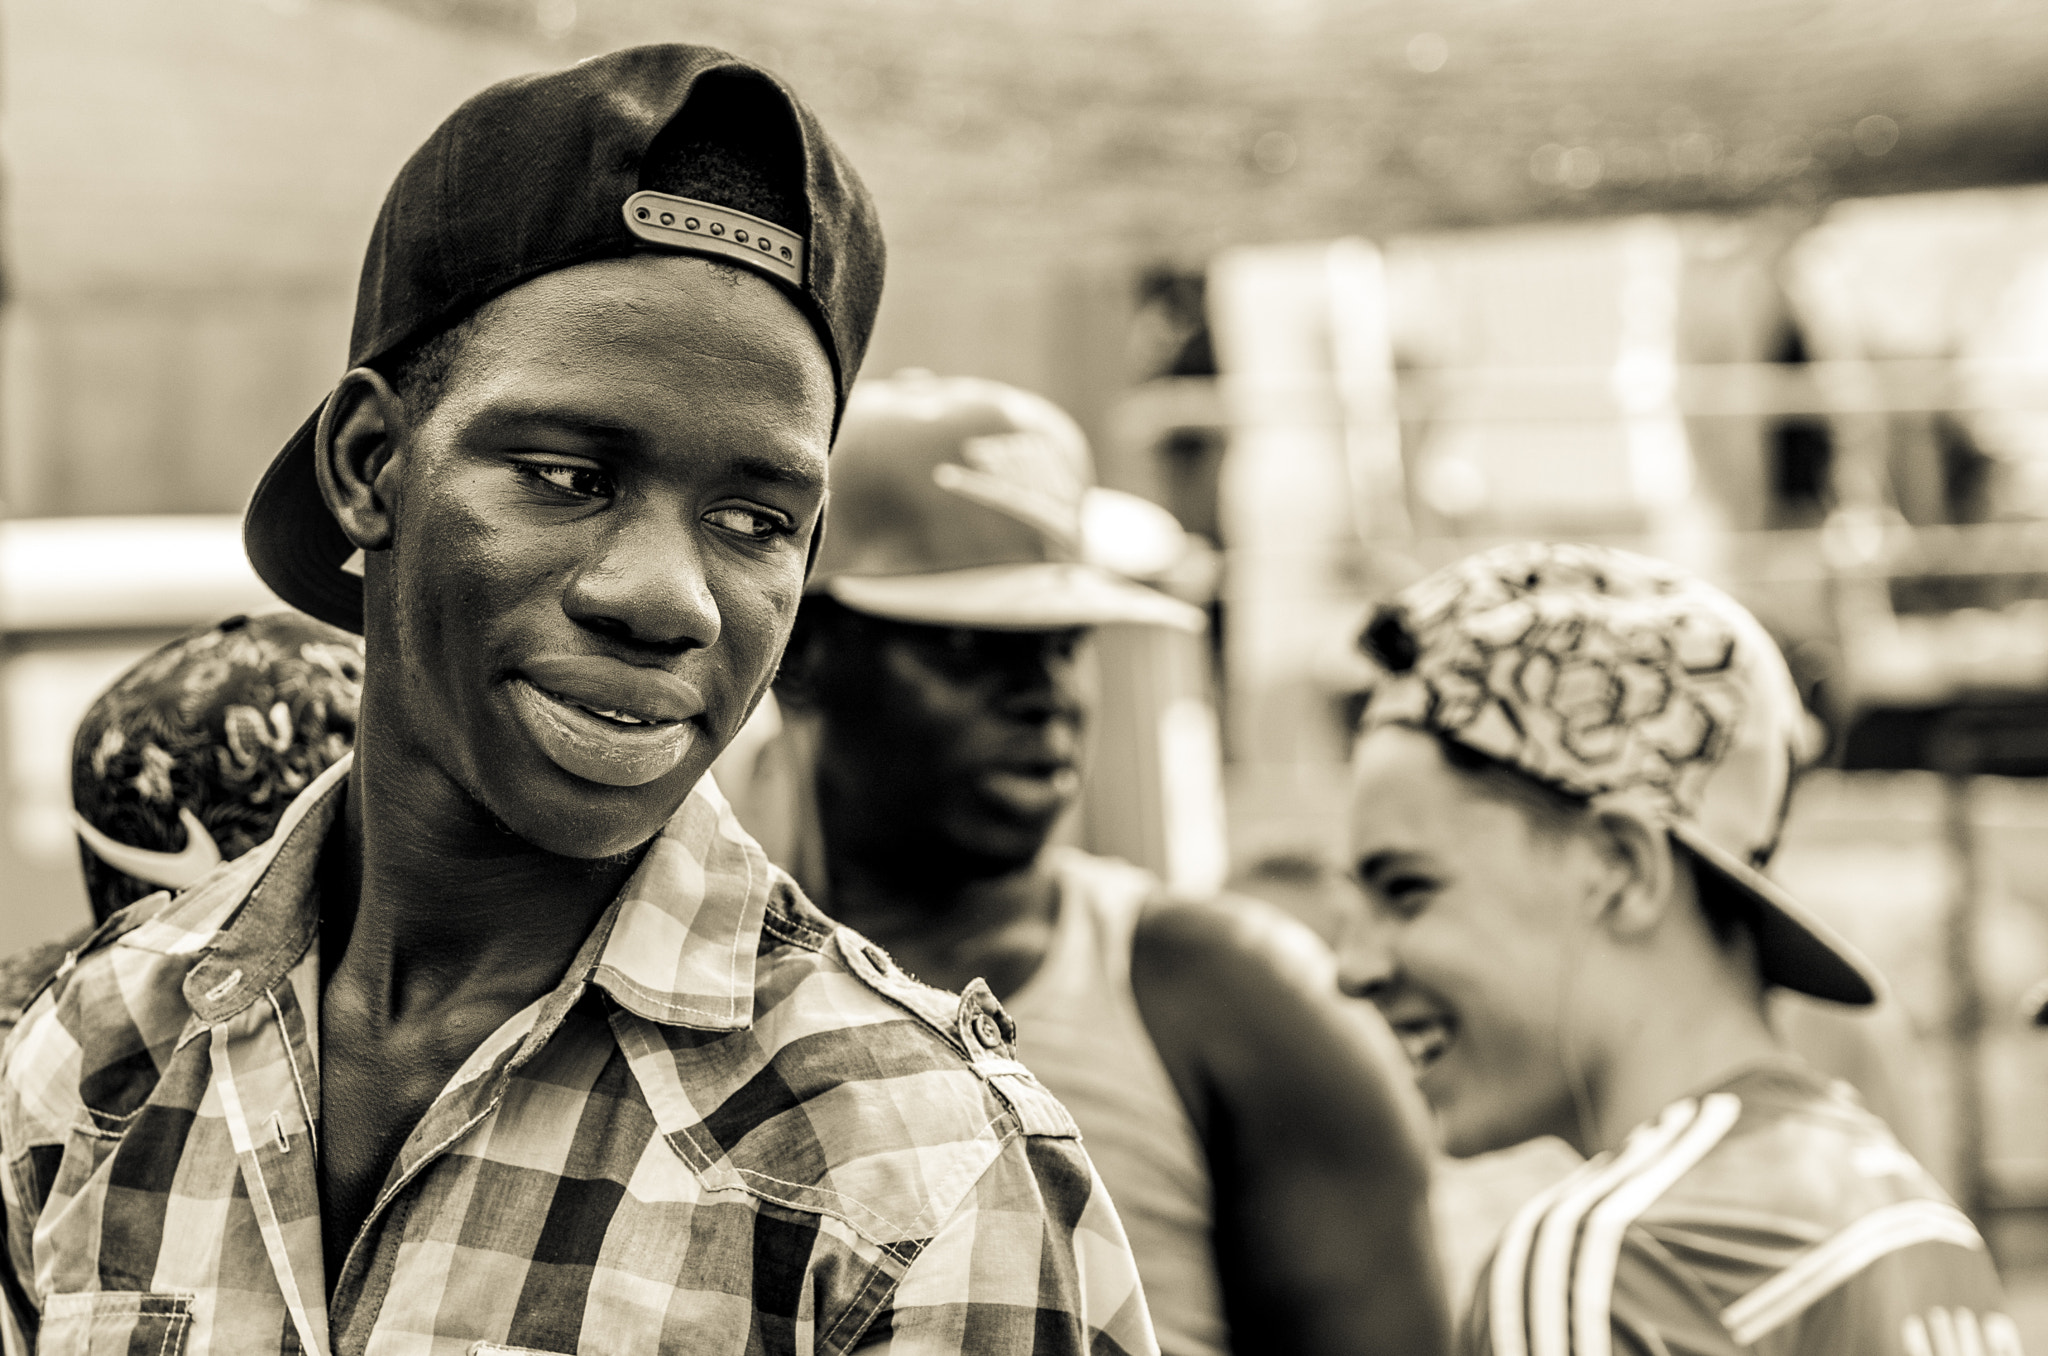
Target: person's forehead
[1390,756]
[607,302]
[1406,797]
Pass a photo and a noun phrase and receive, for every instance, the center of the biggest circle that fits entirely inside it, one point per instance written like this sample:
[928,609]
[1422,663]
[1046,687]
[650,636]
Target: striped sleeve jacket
[1773,1216]
[734,1128]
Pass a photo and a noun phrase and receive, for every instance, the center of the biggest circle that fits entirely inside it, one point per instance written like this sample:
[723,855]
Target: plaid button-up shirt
[735,1127]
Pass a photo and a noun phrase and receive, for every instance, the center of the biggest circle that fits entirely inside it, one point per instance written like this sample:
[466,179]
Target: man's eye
[1407,894]
[585,482]
[752,524]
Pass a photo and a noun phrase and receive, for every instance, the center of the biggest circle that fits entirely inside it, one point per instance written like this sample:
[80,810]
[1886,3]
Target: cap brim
[1795,949]
[294,541]
[1040,596]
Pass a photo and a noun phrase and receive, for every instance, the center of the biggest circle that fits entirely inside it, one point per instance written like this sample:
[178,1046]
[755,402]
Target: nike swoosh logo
[173,870]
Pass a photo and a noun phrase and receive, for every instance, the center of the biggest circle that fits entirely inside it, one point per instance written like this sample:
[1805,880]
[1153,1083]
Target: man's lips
[1425,1036]
[615,690]
[605,721]
[1033,786]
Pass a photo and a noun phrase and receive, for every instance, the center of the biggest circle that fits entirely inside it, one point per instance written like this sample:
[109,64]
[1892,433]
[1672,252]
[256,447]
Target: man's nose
[647,586]
[1047,679]
[1366,967]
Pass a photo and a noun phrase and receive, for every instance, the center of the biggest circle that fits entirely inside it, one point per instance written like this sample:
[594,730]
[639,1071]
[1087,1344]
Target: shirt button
[986,1031]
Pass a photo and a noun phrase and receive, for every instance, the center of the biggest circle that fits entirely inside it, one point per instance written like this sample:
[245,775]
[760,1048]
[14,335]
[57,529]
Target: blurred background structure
[1351,288]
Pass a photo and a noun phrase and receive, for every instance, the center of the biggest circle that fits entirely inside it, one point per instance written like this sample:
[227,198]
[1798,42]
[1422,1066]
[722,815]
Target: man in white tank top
[1256,1130]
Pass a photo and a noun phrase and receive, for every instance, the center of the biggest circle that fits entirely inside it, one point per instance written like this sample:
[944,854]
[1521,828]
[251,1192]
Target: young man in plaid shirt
[511,1039]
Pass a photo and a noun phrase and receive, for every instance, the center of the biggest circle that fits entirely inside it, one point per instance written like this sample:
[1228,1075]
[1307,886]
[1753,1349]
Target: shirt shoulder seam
[1840,1258]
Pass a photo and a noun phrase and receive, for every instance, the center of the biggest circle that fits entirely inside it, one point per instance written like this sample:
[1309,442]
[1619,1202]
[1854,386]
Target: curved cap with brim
[190,757]
[546,171]
[958,502]
[1611,675]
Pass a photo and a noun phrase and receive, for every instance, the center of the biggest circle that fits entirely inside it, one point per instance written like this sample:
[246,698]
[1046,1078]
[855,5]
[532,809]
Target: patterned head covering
[1610,675]
[192,755]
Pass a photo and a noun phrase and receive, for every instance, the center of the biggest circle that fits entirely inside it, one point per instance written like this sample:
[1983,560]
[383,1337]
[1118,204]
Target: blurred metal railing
[1579,392]
[1884,583]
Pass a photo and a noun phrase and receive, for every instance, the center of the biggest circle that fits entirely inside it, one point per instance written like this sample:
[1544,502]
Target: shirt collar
[677,946]
[685,930]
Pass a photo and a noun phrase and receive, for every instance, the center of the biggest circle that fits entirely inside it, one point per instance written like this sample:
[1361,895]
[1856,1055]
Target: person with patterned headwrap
[1571,775]
[189,758]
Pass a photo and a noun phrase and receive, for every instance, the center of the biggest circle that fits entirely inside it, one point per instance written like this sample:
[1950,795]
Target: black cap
[661,147]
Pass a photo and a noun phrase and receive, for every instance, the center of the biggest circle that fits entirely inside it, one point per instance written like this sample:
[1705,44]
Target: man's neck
[946,926]
[1691,1039]
[427,899]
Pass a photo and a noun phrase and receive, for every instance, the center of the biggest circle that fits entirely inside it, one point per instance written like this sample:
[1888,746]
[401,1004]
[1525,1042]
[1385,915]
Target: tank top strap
[1111,896]
[1080,1030]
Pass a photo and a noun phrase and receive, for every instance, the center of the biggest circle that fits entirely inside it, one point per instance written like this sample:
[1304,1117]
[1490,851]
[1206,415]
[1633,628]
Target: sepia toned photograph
[1139,678]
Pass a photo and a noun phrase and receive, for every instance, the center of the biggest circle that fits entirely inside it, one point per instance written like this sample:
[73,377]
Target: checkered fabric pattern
[734,1128]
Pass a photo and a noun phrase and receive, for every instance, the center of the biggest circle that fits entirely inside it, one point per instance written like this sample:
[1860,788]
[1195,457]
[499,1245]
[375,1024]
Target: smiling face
[1470,938]
[949,745]
[597,543]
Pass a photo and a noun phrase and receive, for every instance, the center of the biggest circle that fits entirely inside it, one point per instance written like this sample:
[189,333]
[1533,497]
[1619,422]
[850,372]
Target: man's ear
[1641,871]
[355,450]
[796,681]
[818,535]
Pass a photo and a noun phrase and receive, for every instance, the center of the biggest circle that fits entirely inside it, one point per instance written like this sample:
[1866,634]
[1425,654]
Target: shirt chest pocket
[115,1323]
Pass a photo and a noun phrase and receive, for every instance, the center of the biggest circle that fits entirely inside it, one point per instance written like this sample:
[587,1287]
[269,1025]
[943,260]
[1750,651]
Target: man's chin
[1469,1131]
[1009,826]
[999,850]
[569,816]
[1457,1144]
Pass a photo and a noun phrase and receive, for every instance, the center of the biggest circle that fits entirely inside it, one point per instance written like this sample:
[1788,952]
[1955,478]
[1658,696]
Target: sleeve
[1033,1263]
[18,1318]
[21,1173]
[1934,1298]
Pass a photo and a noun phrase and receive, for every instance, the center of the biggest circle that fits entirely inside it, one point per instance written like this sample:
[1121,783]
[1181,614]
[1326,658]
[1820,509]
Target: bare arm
[1313,1131]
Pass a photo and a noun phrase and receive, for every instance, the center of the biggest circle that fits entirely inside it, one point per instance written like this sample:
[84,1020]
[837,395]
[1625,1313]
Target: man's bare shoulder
[1241,1000]
[1231,939]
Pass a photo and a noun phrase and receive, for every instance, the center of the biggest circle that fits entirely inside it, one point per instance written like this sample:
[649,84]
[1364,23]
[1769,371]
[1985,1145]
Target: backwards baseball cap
[960,502]
[1607,674]
[190,757]
[661,148]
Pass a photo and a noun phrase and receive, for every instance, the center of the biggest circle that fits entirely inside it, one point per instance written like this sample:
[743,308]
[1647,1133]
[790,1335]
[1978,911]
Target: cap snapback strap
[707,228]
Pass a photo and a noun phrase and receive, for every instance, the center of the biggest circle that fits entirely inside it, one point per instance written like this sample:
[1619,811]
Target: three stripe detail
[1551,1285]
